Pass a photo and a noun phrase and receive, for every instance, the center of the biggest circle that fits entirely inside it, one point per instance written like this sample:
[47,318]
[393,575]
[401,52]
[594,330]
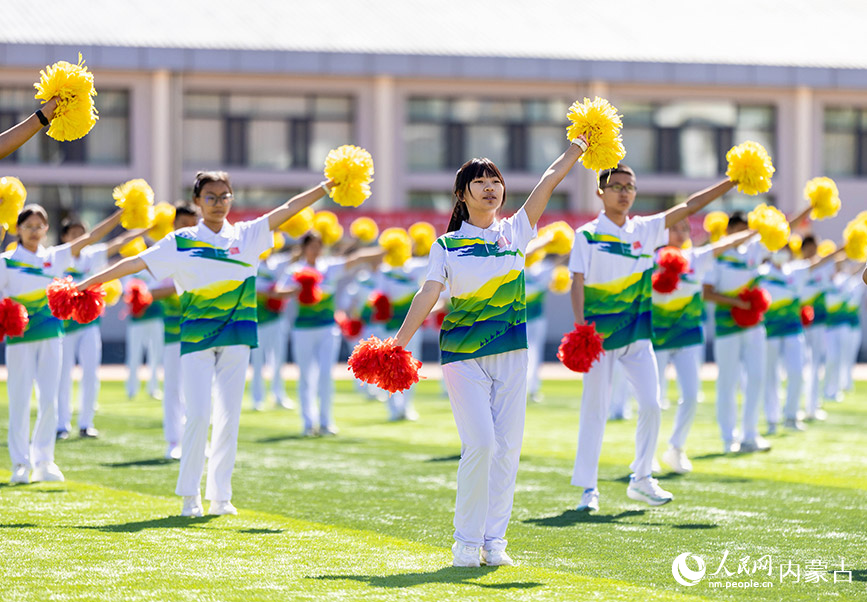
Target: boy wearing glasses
[612,263]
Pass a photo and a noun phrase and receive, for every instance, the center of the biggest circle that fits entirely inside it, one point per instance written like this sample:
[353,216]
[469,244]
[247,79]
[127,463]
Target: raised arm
[117,242]
[697,202]
[372,256]
[709,293]
[419,309]
[828,258]
[122,268]
[538,199]
[732,240]
[18,134]
[162,292]
[95,235]
[278,216]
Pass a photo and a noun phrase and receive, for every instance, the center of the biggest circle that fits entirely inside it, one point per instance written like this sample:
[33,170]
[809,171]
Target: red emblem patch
[234,251]
[636,245]
[47,264]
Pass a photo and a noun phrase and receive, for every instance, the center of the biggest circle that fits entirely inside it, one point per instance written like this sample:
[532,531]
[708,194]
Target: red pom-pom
[350,327]
[580,348]
[665,281]
[309,279]
[745,318]
[384,364]
[89,305]
[759,300]
[138,297]
[382,311]
[61,297]
[807,315]
[275,304]
[13,318]
[672,260]
[440,317]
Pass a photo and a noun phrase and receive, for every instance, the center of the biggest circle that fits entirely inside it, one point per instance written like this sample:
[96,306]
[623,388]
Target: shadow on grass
[301,437]
[695,526]
[151,462]
[17,526]
[574,517]
[168,522]
[260,531]
[859,575]
[455,458]
[455,575]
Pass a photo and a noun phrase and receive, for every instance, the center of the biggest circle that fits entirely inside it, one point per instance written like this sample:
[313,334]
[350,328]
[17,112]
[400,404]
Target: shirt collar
[471,230]
[626,227]
[205,233]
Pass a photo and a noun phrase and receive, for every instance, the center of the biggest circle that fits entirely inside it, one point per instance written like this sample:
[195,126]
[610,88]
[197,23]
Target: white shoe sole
[194,513]
[638,496]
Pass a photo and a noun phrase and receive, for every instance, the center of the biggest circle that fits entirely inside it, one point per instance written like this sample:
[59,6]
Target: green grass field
[367,515]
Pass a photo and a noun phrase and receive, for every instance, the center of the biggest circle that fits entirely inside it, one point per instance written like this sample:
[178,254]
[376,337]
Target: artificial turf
[367,515]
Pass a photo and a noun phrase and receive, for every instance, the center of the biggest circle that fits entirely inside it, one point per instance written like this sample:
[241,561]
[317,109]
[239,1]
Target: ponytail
[460,214]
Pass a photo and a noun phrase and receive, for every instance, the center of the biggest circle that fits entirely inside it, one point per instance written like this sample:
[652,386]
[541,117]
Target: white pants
[488,396]
[791,350]
[173,396]
[140,336]
[223,369]
[85,345]
[621,391]
[401,402]
[639,364]
[815,336]
[39,360]
[536,330]
[686,362]
[268,352]
[852,345]
[745,350]
[834,342]
[315,351]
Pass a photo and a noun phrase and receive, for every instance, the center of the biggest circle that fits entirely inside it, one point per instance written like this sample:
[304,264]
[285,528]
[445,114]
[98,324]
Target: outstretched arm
[372,256]
[817,263]
[697,202]
[538,199]
[421,306]
[122,268]
[95,235]
[117,242]
[17,135]
[711,294]
[298,202]
[732,240]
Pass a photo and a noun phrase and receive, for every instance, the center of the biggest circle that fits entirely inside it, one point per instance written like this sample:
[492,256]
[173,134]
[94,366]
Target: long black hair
[469,171]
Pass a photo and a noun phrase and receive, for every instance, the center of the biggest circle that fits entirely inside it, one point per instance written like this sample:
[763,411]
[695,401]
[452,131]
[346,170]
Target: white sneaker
[537,397]
[496,558]
[676,458]
[173,451]
[589,501]
[20,474]
[465,556]
[192,506]
[793,424]
[819,414]
[731,447]
[286,403]
[647,489]
[410,414]
[759,444]
[328,431]
[221,508]
[258,406]
[46,471]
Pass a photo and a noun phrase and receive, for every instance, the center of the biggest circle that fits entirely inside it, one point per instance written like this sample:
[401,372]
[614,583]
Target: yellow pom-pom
[331,234]
[113,291]
[134,247]
[423,235]
[75,114]
[599,122]
[855,239]
[12,246]
[324,220]
[824,198]
[826,247]
[12,197]
[164,221]
[299,224]
[563,236]
[750,167]
[364,229]
[772,226]
[136,199]
[535,257]
[561,280]
[795,242]
[279,241]
[397,244]
[687,244]
[351,170]
[715,224]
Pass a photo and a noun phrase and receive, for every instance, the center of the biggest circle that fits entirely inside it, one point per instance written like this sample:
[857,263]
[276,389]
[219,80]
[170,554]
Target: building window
[264,132]
[845,142]
[692,138]
[517,135]
[108,143]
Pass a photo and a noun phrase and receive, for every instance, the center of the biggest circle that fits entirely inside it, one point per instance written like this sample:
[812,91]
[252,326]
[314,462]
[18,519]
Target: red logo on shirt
[503,242]
[234,251]
[47,264]
[636,245]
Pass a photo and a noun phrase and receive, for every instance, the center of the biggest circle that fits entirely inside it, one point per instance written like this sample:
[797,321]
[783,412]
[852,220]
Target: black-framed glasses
[621,187]
[224,199]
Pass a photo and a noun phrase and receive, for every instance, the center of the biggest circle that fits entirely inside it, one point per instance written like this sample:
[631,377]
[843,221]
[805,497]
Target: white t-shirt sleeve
[702,261]
[256,235]
[437,270]
[61,257]
[654,233]
[96,255]
[579,258]
[162,259]
[4,278]
[711,277]
[522,231]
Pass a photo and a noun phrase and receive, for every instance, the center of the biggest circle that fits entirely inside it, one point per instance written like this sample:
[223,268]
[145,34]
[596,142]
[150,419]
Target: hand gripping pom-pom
[580,348]
[423,235]
[807,315]
[750,167]
[599,123]
[349,327]
[672,260]
[759,300]
[136,200]
[384,364]
[113,292]
[665,281]
[382,310]
[75,114]
[61,298]
[164,221]
[137,297]
[824,198]
[13,318]
[308,279]
[12,197]
[351,170]
[715,224]
[89,305]
[772,226]
[561,280]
